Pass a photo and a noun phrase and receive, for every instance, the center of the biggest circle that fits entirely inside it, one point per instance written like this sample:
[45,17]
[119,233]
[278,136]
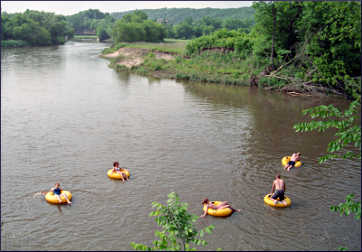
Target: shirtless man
[294,158]
[278,189]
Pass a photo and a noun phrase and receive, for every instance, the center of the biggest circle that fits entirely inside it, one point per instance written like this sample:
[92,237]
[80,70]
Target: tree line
[178,15]
[92,22]
[137,27]
[17,29]
[144,27]
[189,28]
[34,28]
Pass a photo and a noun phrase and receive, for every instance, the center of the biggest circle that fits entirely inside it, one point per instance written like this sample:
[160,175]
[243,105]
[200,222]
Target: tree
[183,30]
[35,28]
[235,24]
[178,232]
[135,27]
[86,21]
[335,48]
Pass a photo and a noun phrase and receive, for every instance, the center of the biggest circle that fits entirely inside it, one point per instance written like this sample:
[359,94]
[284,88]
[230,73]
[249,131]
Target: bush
[236,41]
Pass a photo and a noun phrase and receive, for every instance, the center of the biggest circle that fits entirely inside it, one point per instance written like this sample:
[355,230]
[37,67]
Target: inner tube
[117,175]
[269,201]
[286,159]
[51,198]
[219,212]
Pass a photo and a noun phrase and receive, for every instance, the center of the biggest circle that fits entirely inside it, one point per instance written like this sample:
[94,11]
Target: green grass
[169,45]
[13,43]
[113,48]
[85,37]
[211,68]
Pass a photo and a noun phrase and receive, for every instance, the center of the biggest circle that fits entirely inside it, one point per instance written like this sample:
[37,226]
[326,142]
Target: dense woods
[136,27]
[185,23]
[316,42]
[298,42]
[92,22]
[178,15]
[146,25]
[34,28]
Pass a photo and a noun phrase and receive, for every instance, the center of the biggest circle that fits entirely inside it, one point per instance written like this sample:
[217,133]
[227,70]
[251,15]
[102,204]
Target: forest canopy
[35,28]
[136,27]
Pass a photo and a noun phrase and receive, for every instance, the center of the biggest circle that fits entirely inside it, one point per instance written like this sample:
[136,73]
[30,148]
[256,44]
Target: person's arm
[205,211]
[284,186]
[273,188]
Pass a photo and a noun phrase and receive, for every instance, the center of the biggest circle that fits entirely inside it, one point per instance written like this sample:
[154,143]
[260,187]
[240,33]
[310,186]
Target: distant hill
[177,15]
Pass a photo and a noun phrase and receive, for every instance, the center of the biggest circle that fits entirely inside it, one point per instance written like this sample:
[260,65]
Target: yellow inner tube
[219,212]
[117,175]
[286,159]
[269,201]
[51,198]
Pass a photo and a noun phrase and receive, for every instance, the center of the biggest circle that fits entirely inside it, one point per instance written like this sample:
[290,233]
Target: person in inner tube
[294,158]
[278,190]
[222,205]
[116,168]
[58,193]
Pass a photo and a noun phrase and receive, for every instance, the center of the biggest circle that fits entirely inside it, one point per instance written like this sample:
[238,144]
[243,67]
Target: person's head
[205,201]
[298,154]
[277,176]
[57,185]
[115,164]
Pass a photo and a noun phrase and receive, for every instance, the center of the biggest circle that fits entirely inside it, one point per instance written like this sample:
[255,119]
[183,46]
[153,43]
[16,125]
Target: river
[66,117]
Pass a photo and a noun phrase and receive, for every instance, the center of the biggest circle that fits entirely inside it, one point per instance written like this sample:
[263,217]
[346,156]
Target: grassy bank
[85,37]
[213,67]
[169,45]
[13,43]
[210,66]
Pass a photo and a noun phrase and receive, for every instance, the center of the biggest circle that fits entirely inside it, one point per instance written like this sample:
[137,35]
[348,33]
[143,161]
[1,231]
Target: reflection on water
[66,117]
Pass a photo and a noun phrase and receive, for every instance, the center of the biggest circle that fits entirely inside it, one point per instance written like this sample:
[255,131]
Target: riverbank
[13,43]
[168,60]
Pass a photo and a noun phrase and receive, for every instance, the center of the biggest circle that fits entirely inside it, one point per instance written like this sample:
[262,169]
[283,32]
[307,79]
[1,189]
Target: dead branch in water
[292,93]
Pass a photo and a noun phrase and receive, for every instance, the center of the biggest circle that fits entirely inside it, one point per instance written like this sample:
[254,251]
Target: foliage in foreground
[348,207]
[348,134]
[178,232]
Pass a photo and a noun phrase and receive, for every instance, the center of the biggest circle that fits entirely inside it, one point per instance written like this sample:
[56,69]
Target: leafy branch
[347,133]
[178,232]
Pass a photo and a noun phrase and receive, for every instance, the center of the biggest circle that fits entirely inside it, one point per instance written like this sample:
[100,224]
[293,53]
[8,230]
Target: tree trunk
[273,36]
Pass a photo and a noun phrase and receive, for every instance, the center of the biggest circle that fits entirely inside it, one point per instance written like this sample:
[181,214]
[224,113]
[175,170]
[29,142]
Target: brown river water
[66,117]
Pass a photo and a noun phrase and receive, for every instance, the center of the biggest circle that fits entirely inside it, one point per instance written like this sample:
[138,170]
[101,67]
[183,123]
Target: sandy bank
[134,56]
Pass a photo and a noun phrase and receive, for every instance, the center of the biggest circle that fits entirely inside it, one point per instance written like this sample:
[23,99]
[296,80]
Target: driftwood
[292,93]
